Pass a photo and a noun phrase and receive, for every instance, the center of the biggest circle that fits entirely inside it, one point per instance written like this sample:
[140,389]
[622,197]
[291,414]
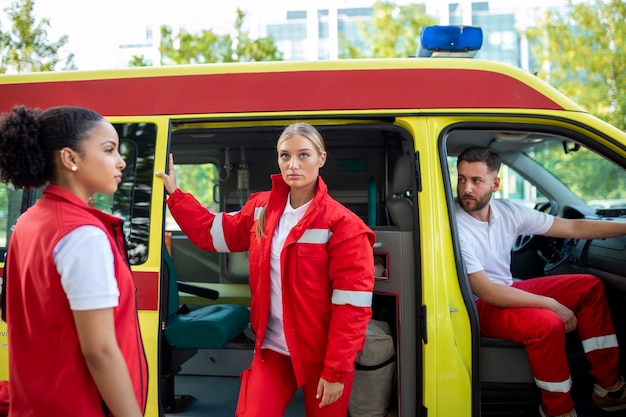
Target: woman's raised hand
[169,179]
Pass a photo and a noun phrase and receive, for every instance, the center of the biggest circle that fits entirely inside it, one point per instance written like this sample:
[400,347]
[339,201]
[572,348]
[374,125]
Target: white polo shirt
[487,245]
[84,260]
[275,332]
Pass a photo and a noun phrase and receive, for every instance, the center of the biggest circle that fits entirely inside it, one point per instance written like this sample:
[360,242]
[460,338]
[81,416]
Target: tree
[208,47]
[393,32]
[247,49]
[582,52]
[25,47]
[187,48]
[139,61]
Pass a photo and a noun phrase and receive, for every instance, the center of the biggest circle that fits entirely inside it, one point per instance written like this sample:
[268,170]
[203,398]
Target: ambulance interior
[368,169]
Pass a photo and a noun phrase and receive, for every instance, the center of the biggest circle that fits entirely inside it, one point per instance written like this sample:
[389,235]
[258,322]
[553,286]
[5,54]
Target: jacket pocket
[312,265]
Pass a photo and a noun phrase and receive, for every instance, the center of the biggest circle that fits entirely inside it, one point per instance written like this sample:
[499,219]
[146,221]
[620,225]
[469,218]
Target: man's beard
[480,203]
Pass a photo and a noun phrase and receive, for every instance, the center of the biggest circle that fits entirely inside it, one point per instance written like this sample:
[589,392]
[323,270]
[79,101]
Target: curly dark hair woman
[29,137]
[68,283]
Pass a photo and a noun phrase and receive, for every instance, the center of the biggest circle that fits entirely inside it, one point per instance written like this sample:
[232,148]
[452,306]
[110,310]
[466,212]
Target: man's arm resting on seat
[511,297]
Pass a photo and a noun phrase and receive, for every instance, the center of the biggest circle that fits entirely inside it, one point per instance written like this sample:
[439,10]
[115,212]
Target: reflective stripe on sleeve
[315,236]
[217,234]
[600,342]
[354,298]
[563,386]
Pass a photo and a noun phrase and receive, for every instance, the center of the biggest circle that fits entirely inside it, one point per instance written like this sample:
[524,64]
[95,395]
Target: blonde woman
[311,279]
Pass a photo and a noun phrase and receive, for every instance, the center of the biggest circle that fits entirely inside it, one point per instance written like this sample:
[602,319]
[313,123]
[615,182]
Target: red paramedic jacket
[4,398]
[48,373]
[327,273]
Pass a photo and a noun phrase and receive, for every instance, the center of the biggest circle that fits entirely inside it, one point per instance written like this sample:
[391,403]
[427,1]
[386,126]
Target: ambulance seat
[399,203]
[189,329]
[503,361]
[506,379]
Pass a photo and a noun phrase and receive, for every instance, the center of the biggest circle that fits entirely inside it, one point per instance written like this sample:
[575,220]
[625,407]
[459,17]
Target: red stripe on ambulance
[310,90]
[147,284]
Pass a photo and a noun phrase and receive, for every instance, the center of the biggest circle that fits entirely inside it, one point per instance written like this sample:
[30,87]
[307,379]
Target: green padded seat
[209,327]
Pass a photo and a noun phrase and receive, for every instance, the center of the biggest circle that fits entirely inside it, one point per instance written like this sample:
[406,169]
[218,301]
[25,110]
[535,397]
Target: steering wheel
[559,252]
[524,242]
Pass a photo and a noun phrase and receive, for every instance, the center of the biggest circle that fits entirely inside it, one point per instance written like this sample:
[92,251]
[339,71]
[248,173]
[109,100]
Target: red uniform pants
[269,384]
[542,332]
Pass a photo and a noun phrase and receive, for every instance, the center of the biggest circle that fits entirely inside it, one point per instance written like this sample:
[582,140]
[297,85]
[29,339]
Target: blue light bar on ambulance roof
[450,41]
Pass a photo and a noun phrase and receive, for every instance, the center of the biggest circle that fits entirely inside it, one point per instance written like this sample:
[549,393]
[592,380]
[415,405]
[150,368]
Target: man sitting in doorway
[537,312]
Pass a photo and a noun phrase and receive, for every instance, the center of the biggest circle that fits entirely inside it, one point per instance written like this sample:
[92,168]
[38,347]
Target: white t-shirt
[275,333]
[84,260]
[487,245]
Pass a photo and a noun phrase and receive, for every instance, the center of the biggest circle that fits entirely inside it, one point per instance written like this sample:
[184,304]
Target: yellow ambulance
[393,128]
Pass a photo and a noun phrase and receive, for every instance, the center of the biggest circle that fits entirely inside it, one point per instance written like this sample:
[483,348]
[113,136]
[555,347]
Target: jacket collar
[57,193]
[280,189]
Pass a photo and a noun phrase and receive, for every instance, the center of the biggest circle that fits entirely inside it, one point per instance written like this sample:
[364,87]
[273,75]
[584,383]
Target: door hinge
[418,175]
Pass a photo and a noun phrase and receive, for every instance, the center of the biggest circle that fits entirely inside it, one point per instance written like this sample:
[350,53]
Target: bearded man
[537,312]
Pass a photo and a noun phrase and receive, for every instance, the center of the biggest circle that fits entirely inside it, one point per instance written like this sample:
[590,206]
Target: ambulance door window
[191,263]
[513,186]
[201,180]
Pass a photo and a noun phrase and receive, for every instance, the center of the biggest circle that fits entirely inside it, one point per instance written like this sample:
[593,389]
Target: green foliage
[347,50]
[589,175]
[393,32]
[247,49]
[582,52]
[209,47]
[25,47]
[199,180]
[187,48]
[139,61]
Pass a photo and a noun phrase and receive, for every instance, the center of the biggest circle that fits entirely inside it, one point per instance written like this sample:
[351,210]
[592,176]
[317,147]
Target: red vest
[48,373]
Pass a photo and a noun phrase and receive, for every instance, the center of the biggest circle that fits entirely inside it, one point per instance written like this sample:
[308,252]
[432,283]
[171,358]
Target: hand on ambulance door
[169,179]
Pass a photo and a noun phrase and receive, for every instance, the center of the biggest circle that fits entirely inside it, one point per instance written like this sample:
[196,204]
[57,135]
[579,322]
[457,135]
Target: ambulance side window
[131,202]
[10,204]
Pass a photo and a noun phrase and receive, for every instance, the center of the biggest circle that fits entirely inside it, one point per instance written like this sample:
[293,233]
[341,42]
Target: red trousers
[269,384]
[542,332]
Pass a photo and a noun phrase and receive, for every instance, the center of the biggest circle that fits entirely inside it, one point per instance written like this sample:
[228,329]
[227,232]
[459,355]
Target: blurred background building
[302,29]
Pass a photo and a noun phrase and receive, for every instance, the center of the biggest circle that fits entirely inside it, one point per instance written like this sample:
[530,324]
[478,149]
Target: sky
[97,28]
